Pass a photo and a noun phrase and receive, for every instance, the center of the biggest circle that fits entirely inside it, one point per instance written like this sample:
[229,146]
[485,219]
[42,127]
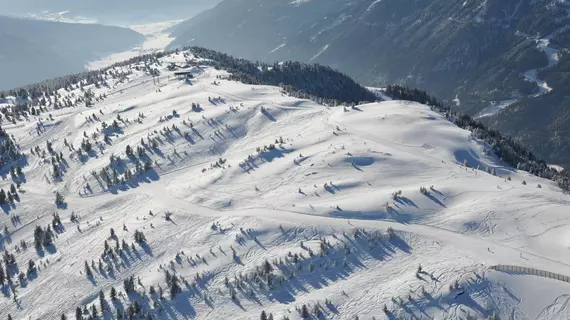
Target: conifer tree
[304,311]
[267,268]
[48,239]
[2,275]
[78,313]
[139,237]
[38,236]
[174,287]
[131,311]
[88,270]
[102,301]
[59,199]
[31,267]
[137,307]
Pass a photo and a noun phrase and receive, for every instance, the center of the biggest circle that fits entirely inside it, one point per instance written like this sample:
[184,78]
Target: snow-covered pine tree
[102,302]
[2,275]
[305,312]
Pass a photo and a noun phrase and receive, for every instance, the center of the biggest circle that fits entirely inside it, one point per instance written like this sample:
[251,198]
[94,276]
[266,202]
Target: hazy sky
[111,11]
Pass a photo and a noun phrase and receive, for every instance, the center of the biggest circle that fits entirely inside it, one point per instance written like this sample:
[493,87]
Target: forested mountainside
[31,50]
[486,55]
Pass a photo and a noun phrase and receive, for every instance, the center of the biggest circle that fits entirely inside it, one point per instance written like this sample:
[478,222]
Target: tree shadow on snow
[145,177]
[399,243]
[146,248]
[268,115]
[434,199]
[271,154]
[6,208]
[406,201]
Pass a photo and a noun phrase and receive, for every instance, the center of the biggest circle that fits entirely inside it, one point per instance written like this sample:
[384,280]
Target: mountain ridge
[141,193]
[482,54]
[295,79]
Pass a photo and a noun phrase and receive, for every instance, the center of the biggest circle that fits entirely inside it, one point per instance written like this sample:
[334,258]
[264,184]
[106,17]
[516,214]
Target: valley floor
[157,39]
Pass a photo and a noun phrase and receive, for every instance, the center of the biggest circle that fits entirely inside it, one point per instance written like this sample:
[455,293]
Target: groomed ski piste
[255,201]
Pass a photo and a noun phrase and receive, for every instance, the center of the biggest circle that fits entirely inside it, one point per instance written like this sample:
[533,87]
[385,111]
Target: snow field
[270,176]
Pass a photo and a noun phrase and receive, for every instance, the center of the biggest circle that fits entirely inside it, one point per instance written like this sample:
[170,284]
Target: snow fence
[536,272]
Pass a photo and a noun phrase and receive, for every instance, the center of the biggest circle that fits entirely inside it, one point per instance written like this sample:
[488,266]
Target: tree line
[308,81]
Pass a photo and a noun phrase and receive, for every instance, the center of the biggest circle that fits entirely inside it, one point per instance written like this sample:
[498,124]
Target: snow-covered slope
[275,203]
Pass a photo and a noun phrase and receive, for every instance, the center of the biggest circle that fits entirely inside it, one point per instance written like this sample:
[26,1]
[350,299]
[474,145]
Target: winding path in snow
[529,75]
[552,55]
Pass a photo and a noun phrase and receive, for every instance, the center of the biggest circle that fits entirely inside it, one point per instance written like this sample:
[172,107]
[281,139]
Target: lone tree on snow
[59,199]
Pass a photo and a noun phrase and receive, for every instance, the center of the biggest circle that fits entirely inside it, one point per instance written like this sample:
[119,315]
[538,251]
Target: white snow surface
[494,108]
[333,170]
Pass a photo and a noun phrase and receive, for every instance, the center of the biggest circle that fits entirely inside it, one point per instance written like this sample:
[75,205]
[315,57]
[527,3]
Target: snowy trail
[492,252]
[543,45]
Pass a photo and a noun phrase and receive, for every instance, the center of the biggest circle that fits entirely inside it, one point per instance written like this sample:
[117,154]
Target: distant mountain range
[111,12]
[505,61]
[31,51]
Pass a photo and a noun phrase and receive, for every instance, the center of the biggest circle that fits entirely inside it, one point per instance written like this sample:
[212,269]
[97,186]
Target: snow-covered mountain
[198,196]
[486,55]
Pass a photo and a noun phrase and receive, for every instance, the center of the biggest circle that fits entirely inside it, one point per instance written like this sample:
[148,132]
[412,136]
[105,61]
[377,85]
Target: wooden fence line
[532,271]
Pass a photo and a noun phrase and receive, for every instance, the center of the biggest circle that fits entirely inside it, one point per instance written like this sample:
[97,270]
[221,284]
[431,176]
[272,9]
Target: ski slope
[318,206]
